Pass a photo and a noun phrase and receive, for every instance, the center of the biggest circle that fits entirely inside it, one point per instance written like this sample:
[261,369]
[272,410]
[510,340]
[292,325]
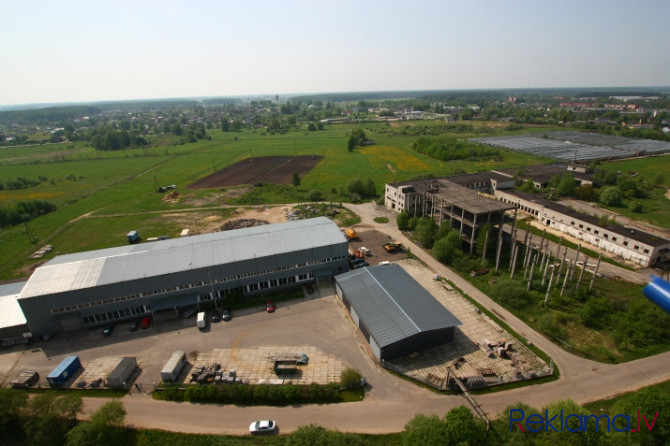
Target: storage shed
[118,378]
[395,314]
[174,365]
[63,372]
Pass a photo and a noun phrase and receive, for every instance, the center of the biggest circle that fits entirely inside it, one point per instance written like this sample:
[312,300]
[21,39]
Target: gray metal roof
[392,305]
[114,265]
[11,313]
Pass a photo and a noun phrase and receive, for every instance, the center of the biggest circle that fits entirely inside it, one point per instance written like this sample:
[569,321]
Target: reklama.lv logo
[561,422]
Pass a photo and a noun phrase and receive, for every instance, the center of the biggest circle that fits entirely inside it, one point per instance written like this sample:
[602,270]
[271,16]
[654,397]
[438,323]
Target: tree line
[23,211]
[447,148]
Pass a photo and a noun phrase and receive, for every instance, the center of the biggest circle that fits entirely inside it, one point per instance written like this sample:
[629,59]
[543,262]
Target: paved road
[392,402]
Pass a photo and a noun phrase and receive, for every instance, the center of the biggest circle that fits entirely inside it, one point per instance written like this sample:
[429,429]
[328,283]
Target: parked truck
[288,364]
[392,246]
[201,322]
[351,233]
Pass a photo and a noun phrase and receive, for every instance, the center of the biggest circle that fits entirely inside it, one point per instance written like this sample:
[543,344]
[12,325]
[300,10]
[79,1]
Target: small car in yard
[310,288]
[226,314]
[215,316]
[263,427]
[269,306]
[134,325]
[146,323]
[108,330]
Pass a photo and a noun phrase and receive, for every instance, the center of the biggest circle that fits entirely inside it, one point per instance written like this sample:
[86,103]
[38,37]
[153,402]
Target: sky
[99,50]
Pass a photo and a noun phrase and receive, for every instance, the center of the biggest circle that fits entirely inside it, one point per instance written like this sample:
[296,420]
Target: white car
[263,427]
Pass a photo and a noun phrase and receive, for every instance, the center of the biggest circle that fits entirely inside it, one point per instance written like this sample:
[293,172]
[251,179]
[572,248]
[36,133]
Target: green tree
[511,293]
[357,138]
[462,428]
[370,188]
[447,249]
[587,193]
[50,416]
[567,407]
[611,196]
[402,220]
[528,186]
[567,185]
[595,312]
[350,378]
[425,232]
[424,430]
[105,427]
[315,195]
[654,406]
[317,435]
[296,179]
[11,403]
[356,186]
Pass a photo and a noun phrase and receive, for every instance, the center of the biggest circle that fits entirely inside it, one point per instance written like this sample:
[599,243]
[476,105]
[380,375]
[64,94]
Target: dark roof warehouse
[396,315]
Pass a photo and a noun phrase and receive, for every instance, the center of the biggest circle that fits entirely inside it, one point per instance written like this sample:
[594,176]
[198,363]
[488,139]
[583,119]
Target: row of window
[117,314]
[607,236]
[166,290]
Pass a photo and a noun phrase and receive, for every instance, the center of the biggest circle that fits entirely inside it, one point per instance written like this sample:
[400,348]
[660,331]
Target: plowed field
[267,169]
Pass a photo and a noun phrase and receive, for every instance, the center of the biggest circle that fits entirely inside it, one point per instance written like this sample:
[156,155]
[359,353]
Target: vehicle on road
[226,314]
[146,323]
[134,325]
[215,315]
[263,427]
[269,306]
[108,330]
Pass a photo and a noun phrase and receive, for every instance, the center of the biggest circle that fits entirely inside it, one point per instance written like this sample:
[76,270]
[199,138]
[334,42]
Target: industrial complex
[470,201]
[96,288]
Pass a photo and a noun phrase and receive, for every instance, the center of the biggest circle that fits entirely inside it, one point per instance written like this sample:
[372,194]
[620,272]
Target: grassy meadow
[655,207]
[102,195]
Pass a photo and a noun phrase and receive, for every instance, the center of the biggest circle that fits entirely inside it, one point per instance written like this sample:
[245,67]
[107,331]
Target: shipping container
[118,378]
[63,372]
[173,366]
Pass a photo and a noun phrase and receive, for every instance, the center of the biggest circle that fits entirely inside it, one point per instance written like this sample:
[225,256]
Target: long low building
[395,314]
[631,244]
[100,287]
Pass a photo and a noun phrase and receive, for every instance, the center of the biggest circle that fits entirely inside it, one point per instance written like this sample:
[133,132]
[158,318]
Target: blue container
[658,291]
[63,372]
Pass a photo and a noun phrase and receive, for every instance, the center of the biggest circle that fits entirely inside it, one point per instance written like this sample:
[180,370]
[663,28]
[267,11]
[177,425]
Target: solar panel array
[578,146]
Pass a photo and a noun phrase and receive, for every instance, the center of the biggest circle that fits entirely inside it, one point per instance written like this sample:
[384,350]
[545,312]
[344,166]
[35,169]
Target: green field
[87,185]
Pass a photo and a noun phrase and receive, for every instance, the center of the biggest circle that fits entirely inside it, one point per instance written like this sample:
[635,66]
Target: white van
[201,322]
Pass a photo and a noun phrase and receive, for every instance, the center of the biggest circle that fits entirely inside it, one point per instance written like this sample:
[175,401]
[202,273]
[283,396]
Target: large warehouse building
[106,286]
[395,314]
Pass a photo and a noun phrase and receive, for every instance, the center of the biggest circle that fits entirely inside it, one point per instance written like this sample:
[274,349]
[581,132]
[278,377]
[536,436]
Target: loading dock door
[72,323]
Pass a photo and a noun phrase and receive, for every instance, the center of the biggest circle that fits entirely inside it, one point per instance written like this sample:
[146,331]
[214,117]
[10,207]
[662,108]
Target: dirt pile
[242,223]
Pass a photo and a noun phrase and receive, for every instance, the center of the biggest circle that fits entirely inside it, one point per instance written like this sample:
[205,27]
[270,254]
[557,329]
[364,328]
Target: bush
[350,378]
[636,207]
[611,196]
[512,294]
[315,195]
